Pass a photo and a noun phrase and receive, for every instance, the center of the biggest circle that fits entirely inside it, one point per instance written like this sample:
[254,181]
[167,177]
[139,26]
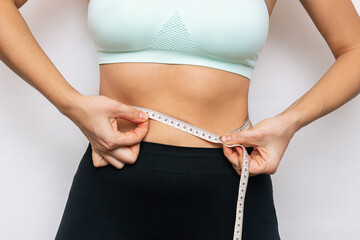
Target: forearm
[21,53]
[339,84]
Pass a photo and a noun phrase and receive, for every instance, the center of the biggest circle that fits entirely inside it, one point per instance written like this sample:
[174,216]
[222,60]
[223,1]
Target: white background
[317,185]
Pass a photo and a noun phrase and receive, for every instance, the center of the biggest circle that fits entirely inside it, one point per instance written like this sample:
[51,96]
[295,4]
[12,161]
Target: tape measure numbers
[208,136]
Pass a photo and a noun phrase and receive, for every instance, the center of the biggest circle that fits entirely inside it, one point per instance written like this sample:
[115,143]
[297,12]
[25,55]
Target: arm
[19,3]
[20,52]
[94,115]
[339,24]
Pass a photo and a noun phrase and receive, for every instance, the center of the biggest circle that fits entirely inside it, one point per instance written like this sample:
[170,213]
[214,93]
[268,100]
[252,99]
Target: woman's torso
[193,94]
[212,99]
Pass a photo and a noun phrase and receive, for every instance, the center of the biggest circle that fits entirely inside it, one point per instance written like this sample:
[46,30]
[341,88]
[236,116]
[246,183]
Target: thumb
[129,113]
[247,138]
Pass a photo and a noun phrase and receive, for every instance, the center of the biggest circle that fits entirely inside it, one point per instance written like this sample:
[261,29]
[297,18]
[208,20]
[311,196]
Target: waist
[211,99]
[183,160]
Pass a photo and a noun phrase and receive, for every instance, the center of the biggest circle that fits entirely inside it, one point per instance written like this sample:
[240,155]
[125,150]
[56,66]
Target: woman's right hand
[96,117]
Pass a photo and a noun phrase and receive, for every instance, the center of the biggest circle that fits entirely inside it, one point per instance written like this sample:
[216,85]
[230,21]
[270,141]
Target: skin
[114,129]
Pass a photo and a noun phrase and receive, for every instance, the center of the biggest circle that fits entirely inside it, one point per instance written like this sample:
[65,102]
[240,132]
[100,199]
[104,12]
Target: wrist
[70,102]
[291,119]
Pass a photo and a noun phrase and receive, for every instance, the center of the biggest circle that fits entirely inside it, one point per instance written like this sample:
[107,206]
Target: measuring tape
[208,136]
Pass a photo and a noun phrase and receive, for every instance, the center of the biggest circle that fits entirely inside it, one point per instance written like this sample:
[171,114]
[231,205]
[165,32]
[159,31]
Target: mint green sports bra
[226,35]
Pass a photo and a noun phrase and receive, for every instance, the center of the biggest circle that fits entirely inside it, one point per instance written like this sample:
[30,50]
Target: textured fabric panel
[174,36]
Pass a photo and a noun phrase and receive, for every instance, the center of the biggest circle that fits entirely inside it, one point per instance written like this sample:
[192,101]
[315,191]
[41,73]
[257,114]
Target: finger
[254,168]
[98,160]
[126,154]
[247,138]
[132,137]
[258,164]
[110,138]
[129,113]
[233,157]
[240,160]
[115,162]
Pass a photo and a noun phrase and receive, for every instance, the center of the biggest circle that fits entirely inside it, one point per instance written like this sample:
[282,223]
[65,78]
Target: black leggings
[169,193]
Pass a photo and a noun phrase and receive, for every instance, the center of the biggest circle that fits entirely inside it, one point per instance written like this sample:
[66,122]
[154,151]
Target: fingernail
[226,138]
[143,115]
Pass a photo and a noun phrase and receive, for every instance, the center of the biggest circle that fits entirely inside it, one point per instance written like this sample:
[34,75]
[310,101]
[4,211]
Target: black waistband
[184,160]
[182,150]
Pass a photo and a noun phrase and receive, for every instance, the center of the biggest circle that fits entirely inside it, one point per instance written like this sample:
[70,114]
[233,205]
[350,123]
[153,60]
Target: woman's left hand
[269,138]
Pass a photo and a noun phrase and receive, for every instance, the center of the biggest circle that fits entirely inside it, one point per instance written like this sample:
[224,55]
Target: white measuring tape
[215,139]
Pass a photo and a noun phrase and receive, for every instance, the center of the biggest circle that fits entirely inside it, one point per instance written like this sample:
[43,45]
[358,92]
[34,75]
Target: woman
[143,178]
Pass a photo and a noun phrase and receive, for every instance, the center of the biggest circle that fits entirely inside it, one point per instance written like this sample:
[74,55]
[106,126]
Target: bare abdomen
[211,99]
